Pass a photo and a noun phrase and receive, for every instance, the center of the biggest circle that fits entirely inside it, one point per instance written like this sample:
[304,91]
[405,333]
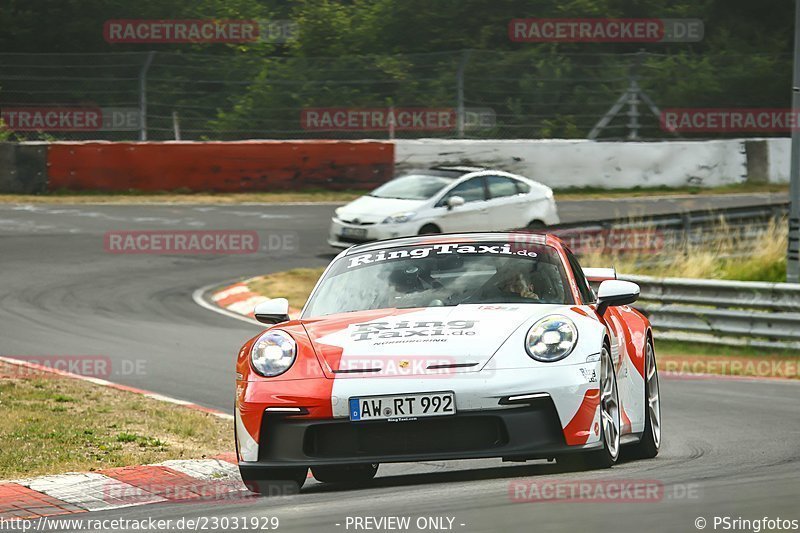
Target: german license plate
[403,406]
[355,233]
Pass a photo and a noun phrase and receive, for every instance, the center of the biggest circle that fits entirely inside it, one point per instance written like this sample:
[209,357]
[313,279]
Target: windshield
[439,275]
[413,187]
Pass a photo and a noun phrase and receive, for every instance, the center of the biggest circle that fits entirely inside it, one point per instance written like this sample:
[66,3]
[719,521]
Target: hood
[434,340]
[371,209]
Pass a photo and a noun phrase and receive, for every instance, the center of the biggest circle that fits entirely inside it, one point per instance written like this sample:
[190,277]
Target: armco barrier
[747,224]
[722,312]
[243,166]
[219,166]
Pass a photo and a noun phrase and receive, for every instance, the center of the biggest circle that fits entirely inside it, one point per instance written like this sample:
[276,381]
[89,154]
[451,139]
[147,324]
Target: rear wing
[599,275]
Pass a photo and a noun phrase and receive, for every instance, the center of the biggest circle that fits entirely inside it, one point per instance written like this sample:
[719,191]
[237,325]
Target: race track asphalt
[731,446]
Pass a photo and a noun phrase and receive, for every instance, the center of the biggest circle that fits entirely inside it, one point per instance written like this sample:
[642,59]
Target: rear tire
[275,481]
[648,447]
[609,424]
[345,473]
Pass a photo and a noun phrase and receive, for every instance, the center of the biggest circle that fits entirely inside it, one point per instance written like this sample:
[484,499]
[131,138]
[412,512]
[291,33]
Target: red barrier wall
[219,166]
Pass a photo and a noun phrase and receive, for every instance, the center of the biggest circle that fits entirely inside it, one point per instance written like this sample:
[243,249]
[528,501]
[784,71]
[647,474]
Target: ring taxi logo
[430,329]
[438,249]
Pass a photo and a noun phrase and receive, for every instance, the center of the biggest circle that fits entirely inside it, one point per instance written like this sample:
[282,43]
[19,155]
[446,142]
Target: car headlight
[551,338]
[273,353]
[399,218]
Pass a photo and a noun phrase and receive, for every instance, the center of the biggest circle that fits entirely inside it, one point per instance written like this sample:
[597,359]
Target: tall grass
[725,255]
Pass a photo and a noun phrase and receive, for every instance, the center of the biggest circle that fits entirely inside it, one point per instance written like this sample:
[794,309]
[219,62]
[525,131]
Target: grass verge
[295,285]
[314,195]
[134,197]
[53,424]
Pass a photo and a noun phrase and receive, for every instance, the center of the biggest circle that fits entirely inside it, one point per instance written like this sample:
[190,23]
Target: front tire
[429,229]
[648,447]
[275,481]
[536,225]
[345,473]
[609,423]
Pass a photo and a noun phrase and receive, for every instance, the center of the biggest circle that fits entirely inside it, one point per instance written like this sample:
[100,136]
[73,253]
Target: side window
[500,187]
[587,294]
[471,190]
[522,188]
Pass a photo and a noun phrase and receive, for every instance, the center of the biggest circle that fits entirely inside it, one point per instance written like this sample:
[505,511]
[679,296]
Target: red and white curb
[235,300]
[238,298]
[171,481]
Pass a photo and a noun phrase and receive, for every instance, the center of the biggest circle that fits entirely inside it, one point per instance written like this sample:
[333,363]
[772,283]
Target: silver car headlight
[273,353]
[551,338]
[398,218]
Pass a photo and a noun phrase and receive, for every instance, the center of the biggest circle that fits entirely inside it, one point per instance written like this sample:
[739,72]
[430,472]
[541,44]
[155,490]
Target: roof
[459,168]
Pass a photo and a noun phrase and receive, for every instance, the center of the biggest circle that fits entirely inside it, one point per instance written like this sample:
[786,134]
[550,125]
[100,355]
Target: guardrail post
[793,249]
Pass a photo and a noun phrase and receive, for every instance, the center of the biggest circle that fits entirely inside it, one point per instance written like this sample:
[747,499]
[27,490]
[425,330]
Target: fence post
[793,248]
[462,65]
[176,126]
[143,96]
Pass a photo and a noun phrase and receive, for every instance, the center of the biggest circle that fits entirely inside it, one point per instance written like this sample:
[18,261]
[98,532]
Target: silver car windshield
[412,187]
[442,274]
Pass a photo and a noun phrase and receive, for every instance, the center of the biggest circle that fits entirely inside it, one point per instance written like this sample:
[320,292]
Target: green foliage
[376,53]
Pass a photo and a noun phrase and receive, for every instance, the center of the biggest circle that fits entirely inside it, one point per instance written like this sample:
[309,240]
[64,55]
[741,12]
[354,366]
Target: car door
[506,207]
[472,216]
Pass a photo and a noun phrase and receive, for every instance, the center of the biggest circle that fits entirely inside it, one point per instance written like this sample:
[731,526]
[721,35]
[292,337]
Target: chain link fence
[527,93]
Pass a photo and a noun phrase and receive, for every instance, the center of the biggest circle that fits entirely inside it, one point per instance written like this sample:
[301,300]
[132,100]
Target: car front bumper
[512,413]
[526,432]
[370,232]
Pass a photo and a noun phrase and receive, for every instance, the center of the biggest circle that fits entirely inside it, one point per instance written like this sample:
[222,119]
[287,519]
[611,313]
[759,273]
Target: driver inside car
[515,280]
[512,279]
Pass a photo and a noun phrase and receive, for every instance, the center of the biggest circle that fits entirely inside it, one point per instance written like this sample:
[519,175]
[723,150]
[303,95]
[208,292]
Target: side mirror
[454,201]
[615,292]
[273,311]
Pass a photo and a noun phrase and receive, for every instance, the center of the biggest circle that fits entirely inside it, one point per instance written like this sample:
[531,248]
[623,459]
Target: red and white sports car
[447,347]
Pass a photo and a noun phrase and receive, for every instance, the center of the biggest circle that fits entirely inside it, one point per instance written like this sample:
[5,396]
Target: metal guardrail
[734,216]
[644,237]
[722,312]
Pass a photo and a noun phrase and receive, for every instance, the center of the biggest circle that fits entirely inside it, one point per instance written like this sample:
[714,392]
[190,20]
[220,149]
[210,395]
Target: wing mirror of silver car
[616,292]
[454,201]
[273,311]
